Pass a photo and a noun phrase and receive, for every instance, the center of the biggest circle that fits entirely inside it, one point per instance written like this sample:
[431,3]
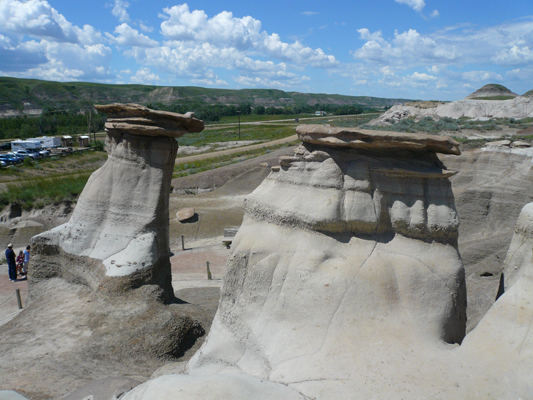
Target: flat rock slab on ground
[184,214]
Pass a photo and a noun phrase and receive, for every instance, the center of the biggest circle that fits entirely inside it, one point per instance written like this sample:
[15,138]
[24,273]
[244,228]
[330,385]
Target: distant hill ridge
[31,96]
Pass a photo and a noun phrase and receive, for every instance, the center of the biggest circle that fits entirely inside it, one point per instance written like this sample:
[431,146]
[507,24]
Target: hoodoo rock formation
[117,238]
[346,282]
[111,260]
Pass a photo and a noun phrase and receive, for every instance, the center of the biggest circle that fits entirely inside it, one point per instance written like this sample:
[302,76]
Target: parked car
[8,160]
[45,153]
[35,154]
[5,146]
[3,164]
[25,153]
[12,158]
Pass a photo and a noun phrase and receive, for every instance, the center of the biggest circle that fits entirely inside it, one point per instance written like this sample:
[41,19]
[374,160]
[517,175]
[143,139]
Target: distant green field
[248,132]
[264,117]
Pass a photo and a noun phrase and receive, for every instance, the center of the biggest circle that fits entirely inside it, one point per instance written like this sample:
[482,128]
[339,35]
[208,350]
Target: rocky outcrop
[347,254]
[518,107]
[345,282]
[103,279]
[492,90]
[117,237]
[491,187]
[503,340]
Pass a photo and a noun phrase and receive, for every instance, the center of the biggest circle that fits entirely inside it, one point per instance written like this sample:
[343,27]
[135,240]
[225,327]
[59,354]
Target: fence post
[209,277]
[182,242]
[19,301]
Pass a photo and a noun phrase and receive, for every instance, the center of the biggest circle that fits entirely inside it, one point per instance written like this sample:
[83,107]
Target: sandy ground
[8,300]
[204,156]
[189,150]
[36,361]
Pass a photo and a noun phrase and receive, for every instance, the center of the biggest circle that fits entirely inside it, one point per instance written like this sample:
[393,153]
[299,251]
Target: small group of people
[17,265]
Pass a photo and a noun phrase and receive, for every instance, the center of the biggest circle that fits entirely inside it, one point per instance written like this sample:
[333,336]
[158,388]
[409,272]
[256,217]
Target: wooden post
[182,242]
[19,301]
[209,277]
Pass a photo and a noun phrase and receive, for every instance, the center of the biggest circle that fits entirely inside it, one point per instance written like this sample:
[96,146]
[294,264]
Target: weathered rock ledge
[140,120]
[376,140]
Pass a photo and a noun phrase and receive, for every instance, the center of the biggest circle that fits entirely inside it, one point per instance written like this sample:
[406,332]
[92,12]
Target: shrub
[97,145]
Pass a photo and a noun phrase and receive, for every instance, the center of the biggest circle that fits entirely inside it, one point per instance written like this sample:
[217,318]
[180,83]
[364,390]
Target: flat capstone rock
[376,140]
[140,120]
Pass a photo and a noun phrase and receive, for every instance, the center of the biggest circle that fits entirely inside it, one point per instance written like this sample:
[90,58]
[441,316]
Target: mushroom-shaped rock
[345,263]
[117,238]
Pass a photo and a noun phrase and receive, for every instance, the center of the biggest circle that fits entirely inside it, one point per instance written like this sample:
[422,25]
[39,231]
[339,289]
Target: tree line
[74,122]
[213,113]
[52,123]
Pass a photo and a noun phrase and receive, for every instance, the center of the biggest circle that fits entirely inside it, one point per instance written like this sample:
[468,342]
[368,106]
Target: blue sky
[419,49]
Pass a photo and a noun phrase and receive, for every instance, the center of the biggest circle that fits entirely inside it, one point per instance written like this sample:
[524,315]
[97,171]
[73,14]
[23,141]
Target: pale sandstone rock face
[491,187]
[503,339]
[519,107]
[117,237]
[345,279]
[520,256]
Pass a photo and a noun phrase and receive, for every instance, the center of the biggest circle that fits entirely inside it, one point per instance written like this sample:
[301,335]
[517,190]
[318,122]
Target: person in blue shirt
[26,261]
[12,266]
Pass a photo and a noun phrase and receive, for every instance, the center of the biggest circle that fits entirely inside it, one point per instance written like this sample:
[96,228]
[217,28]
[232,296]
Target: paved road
[205,156]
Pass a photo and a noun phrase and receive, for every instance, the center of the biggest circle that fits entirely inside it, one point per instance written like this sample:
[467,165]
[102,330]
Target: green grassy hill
[18,96]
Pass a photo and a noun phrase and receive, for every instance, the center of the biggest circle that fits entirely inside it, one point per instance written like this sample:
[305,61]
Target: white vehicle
[48,142]
[30,144]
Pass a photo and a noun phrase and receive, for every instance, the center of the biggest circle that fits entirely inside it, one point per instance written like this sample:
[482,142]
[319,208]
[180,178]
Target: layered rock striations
[115,247]
[346,282]
[503,339]
[518,107]
[492,185]
[117,237]
[343,239]
[345,279]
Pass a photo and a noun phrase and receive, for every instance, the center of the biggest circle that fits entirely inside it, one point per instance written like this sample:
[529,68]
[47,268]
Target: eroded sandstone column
[350,242]
[117,238]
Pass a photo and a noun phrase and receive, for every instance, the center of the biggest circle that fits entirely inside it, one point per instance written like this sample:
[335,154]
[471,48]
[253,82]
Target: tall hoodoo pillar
[117,238]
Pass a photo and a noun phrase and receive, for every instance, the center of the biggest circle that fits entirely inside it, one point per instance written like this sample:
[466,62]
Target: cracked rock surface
[345,281]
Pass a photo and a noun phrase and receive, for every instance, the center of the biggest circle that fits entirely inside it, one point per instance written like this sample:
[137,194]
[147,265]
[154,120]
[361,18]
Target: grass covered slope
[15,92]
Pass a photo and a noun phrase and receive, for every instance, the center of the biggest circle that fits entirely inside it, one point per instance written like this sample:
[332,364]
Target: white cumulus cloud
[417,5]
[120,10]
[38,19]
[243,34]
[145,77]
[422,77]
[127,36]
[405,48]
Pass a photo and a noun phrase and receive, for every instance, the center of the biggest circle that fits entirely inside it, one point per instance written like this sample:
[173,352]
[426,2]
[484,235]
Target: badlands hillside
[366,265]
[489,102]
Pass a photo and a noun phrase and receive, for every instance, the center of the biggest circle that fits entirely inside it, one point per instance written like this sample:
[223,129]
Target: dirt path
[214,154]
